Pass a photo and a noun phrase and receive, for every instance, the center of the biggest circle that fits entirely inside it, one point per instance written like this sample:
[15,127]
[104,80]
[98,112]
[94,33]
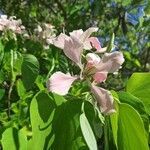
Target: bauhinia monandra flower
[11,24]
[95,70]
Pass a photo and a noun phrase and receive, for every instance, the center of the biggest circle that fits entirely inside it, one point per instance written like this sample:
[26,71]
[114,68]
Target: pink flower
[96,67]
[60,83]
[73,49]
[74,44]
[104,99]
[100,77]
[11,23]
[92,59]
[110,62]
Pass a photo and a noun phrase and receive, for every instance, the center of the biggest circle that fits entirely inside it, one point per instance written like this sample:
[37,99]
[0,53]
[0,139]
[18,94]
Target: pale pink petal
[76,33]
[110,62]
[92,59]
[60,83]
[102,50]
[3,16]
[87,33]
[87,45]
[104,99]
[60,40]
[95,43]
[100,77]
[73,49]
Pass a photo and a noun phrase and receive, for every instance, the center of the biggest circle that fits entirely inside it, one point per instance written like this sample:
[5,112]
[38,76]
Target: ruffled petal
[104,99]
[60,40]
[60,83]
[73,49]
[110,62]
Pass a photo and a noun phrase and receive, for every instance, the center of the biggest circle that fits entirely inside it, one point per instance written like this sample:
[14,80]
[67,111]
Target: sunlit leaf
[87,132]
[14,139]
[139,86]
[131,133]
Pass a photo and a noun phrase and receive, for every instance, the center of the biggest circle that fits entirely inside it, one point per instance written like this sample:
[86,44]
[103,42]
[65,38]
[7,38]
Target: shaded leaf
[30,70]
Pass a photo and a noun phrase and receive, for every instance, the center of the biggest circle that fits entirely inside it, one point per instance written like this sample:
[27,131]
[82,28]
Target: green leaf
[139,86]
[30,70]
[20,88]
[41,114]
[66,127]
[130,99]
[18,58]
[94,118]
[111,43]
[114,124]
[14,140]
[126,2]
[55,124]
[2,92]
[1,51]
[87,132]
[131,133]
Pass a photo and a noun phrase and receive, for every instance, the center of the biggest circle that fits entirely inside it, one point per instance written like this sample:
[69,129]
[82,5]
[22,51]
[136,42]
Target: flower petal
[87,33]
[100,77]
[110,62]
[60,83]
[104,99]
[60,40]
[76,33]
[95,43]
[87,45]
[92,59]
[73,49]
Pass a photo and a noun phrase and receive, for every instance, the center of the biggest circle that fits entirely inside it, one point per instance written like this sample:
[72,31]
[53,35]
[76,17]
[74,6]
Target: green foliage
[139,86]
[33,119]
[30,70]
[87,132]
[55,122]
[14,139]
[131,133]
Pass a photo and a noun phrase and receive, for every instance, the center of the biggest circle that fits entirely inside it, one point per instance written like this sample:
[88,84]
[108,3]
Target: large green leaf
[87,132]
[137,104]
[30,70]
[126,97]
[139,86]
[131,133]
[55,124]
[14,140]
[41,114]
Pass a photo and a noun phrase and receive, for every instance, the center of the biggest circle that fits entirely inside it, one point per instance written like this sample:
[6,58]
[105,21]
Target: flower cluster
[95,70]
[45,32]
[11,24]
